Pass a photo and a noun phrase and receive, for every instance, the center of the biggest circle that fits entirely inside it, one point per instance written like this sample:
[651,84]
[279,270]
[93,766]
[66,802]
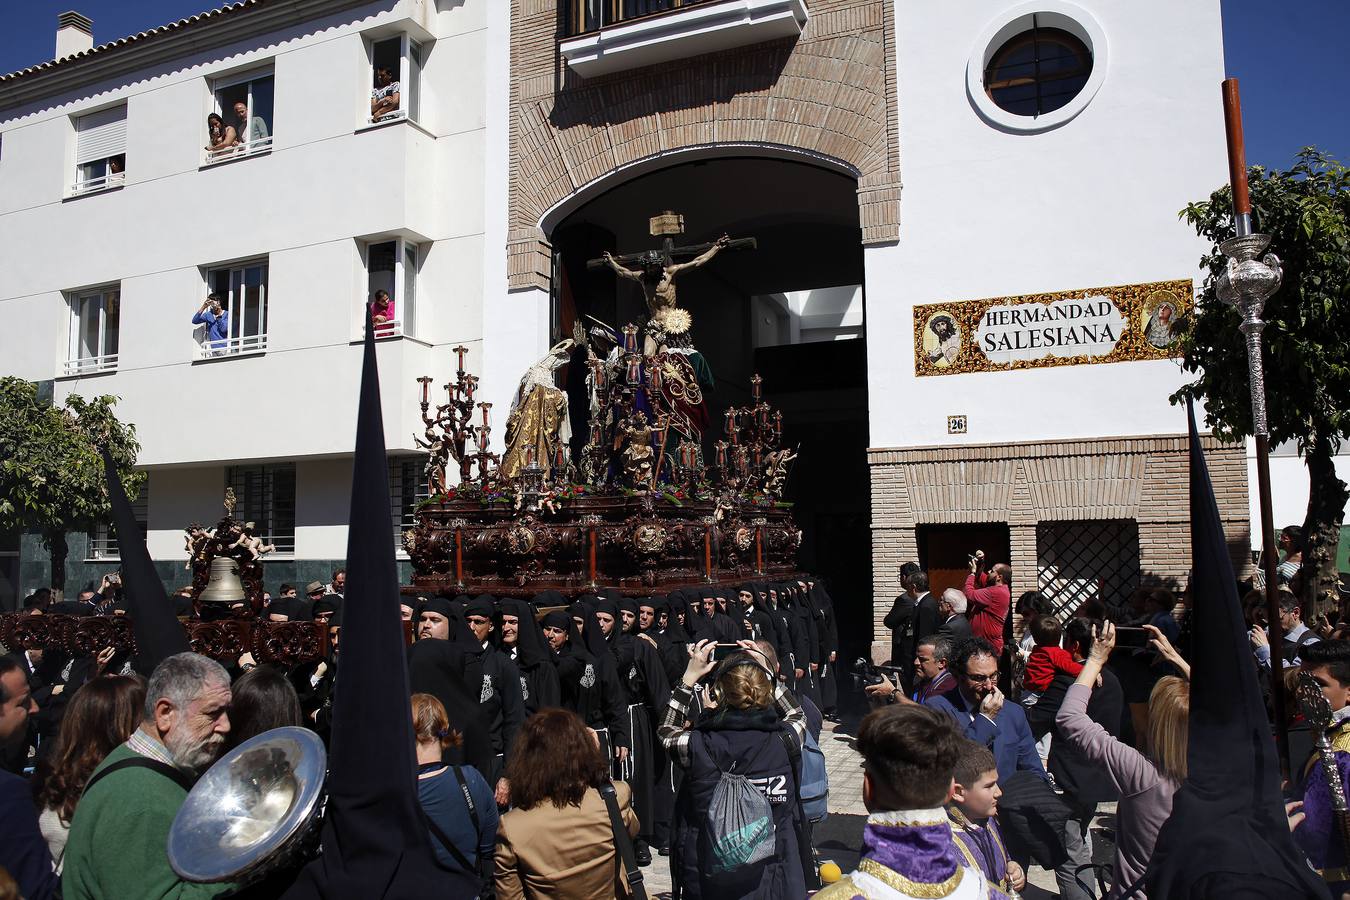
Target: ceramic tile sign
[1083,327]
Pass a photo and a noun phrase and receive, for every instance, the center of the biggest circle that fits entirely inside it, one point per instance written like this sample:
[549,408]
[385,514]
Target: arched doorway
[792,310]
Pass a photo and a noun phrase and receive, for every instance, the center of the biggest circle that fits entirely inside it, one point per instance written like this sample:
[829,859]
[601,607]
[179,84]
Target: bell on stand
[223,585]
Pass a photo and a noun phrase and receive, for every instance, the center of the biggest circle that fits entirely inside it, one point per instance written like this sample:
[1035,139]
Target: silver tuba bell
[253,811]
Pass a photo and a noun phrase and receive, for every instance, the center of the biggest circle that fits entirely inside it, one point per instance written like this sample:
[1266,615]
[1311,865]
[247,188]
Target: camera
[866,673]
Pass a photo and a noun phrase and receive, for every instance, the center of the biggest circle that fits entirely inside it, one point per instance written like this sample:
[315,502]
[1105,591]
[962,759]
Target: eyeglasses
[982,679]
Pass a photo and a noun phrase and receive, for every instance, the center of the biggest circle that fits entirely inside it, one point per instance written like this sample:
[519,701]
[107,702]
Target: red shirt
[988,609]
[1044,662]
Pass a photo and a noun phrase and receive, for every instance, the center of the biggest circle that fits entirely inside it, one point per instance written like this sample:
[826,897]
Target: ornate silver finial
[1246,285]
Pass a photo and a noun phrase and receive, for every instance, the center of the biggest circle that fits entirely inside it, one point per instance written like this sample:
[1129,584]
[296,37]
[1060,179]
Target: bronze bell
[223,584]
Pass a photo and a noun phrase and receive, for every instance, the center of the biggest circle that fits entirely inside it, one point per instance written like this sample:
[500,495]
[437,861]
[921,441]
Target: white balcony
[90,365]
[682,32]
[391,329]
[236,346]
[94,185]
[238,151]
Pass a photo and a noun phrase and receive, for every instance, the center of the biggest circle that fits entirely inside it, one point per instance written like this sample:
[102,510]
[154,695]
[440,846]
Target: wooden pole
[1242,223]
[1237,157]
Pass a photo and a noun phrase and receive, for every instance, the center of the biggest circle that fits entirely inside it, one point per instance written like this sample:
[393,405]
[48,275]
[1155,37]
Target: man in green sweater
[118,838]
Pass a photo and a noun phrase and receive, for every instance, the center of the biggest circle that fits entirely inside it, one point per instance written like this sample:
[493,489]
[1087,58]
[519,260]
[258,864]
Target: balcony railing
[392,328]
[102,547]
[582,16]
[252,343]
[102,183]
[247,148]
[90,365]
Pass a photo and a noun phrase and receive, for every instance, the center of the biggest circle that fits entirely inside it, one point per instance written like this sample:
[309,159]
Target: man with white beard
[118,839]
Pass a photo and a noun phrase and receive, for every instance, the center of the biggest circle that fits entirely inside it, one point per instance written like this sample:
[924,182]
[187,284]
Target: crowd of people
[524,712]
[556,739]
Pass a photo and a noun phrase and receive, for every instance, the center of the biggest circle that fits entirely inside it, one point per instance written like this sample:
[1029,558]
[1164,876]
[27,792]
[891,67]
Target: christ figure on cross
[657,279]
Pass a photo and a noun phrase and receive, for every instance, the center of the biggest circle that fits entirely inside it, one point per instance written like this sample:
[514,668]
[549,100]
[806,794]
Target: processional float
[642,502]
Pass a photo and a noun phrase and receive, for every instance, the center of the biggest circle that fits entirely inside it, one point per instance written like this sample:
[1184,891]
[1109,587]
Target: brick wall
[1141,478]
[830,92]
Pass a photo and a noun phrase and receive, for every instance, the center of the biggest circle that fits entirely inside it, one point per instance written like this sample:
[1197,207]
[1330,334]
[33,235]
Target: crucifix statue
[655,271]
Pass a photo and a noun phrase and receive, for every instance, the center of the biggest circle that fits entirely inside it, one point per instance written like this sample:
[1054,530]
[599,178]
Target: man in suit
[952,613]
[900,620]
[926,615]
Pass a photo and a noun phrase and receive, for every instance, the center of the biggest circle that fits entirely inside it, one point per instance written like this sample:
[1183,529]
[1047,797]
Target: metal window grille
[407,488]
[265,496]
[1078,561]
[103,537]
[581,16]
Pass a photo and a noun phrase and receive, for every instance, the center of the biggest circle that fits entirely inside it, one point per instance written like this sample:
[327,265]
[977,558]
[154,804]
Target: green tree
[1306,211]
[51,471]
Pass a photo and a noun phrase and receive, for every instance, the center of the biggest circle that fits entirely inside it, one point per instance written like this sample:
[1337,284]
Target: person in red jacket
[989,597]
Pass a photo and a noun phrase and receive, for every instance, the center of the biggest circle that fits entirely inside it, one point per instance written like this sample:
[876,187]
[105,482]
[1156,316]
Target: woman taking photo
[219,135]
[557,841]
[750,727]
[101,716]
[1146,781]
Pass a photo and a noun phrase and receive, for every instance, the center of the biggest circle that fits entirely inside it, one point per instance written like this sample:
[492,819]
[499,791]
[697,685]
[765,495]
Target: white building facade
[294,228]
[966,193]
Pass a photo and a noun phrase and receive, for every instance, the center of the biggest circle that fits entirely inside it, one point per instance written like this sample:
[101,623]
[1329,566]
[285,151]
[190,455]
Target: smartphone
[722,651]
[1131,636]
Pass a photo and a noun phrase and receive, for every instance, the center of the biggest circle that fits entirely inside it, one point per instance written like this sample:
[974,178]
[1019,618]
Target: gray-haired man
[952,613]
[118,838]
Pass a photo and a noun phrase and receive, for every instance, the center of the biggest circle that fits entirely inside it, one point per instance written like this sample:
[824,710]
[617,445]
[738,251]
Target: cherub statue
[195,541]
[252,546]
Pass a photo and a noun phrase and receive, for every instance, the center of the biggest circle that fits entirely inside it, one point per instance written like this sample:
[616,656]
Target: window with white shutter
[100,149]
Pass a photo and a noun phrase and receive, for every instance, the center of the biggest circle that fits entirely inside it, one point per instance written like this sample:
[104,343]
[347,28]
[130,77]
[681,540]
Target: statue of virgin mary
[538,423]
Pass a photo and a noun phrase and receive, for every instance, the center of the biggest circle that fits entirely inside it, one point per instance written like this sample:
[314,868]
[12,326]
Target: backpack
[739,829]
[813,784]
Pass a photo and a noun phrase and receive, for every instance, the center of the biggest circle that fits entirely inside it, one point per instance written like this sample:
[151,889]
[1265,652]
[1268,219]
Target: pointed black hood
[374,840]
[159,634]
[1227,835]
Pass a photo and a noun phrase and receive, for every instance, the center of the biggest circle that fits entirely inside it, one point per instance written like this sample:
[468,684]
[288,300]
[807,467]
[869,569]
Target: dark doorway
[944,551]
[791,310]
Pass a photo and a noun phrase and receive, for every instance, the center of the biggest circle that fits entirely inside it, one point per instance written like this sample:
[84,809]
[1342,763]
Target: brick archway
[831,92]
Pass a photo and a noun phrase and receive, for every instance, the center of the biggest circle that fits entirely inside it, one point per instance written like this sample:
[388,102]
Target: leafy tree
[51,472]
[1306,211]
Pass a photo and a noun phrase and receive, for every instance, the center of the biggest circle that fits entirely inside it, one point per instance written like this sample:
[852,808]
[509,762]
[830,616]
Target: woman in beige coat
[556,841]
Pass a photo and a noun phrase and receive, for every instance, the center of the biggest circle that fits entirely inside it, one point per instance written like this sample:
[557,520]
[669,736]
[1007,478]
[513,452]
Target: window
[103,538]
[94,323]
[407,488]
[391,272]
[244,104]
[1037,71]
[242,291]
[100,150]
[396,79]
[265,496]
